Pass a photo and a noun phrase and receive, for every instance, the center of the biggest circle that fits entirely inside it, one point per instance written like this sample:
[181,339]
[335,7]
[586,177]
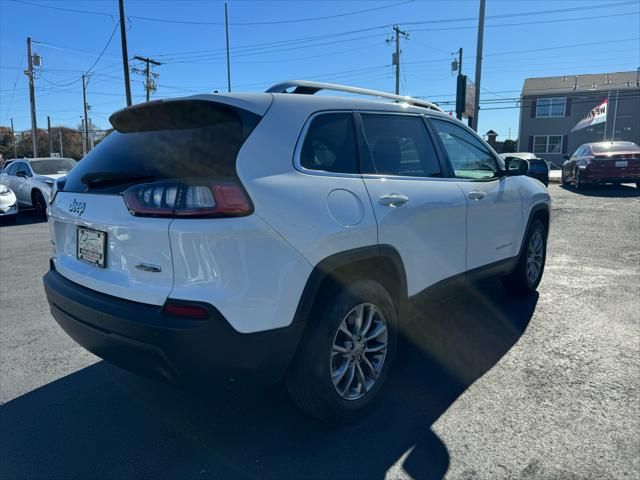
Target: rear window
[615,147]
[165,140]
[53,166]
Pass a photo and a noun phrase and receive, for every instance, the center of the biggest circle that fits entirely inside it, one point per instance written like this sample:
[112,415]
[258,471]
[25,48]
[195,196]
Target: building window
[551,107]
[547,144]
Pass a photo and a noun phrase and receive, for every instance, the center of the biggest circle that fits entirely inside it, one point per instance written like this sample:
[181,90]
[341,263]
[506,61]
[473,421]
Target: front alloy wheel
[359,351]
[535,254]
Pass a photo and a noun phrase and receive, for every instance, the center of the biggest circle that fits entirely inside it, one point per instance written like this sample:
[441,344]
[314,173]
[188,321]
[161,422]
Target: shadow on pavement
[101,422]
[611,191]
[24,217]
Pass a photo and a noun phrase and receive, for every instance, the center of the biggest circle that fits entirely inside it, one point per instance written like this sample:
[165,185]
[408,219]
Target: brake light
[190,199]
[185,311]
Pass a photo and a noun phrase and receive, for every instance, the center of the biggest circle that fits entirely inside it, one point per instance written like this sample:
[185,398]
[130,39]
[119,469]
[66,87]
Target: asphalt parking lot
[486,386]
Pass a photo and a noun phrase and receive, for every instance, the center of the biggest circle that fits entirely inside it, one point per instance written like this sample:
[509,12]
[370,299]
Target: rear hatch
[109,219]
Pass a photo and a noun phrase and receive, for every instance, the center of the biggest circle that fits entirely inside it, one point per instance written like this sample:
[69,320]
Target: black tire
[518,282]
[579,182]
[309,379]
[563,180]
[39,204]
[638,185]
[9,220]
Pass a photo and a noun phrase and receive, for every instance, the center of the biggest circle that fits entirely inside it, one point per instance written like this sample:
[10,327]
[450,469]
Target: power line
[71,10]
[273,22]
[105,48]
[560,20]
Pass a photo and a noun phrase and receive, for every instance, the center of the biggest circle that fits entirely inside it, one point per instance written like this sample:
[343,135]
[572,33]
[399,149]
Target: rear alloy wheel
[344,357]
[528,272]
[39,204]
[358,352]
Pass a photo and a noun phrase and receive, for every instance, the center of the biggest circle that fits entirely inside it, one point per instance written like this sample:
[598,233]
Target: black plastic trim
[189,352]
[332,263]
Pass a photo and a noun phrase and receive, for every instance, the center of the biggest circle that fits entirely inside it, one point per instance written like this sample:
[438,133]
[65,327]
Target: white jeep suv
[282,235]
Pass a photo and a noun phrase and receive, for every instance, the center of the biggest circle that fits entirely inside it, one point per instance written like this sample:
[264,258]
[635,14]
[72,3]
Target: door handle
[393,200]
[475,195]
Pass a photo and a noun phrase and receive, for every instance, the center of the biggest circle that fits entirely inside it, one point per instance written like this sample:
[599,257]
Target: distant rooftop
[581,83]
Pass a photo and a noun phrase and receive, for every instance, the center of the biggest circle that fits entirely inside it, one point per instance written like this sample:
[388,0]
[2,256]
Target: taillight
[58,186]
[190,199]
[185,310]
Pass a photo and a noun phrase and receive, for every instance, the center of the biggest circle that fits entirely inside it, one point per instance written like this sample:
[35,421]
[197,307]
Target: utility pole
[395,58]
[32,100]
[476,106]
[49,132]
[226,27]
[461,86]
[60,138]
[86,124]
[150,84]
[13,134]
[125,55]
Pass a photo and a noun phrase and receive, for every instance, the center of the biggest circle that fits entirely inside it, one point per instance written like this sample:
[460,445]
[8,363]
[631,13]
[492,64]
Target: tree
[509,146]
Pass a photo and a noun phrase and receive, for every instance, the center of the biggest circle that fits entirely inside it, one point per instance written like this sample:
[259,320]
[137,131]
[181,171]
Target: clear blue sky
[517,45]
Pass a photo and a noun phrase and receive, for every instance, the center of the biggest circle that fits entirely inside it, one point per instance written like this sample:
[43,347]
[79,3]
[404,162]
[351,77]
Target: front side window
[547,144]
[330,144]
[400,145]
[468,155]
[551,107]
[13,168]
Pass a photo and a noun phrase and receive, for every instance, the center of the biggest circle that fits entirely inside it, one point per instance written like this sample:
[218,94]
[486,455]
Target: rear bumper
[139,338]
[610,177]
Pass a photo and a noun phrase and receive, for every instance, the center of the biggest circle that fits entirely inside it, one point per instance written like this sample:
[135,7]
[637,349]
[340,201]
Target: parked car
[538,167]
[31,179]
[8,204]
[602,162]
[282,236]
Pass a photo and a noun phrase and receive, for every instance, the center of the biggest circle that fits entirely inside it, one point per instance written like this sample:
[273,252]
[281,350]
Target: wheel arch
[540,212]
[381,263]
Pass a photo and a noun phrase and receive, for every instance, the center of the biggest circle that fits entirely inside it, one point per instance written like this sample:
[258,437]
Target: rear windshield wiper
[111,179]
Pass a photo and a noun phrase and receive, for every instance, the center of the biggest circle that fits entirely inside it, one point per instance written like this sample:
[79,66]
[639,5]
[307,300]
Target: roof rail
[309,88]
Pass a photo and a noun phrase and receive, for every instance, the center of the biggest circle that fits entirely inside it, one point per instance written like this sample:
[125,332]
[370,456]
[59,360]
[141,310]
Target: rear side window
[400,145]
[165,140]
[330,144]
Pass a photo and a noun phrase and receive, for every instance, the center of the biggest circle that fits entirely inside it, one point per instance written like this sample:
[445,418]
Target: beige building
[606,106]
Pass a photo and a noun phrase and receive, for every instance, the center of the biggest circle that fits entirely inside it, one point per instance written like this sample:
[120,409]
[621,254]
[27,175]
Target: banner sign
[597,114]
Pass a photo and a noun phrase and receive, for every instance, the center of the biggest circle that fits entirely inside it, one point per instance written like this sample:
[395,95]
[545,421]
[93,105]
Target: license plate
[621,163]
[91,246]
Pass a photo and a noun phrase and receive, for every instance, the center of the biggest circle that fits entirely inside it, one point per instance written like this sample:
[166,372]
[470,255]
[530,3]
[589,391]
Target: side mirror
[516,166]
[22,174]
[566,157]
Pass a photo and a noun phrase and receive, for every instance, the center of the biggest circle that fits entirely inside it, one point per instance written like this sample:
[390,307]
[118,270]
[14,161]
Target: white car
[282,235]
[8,204]
[31,179]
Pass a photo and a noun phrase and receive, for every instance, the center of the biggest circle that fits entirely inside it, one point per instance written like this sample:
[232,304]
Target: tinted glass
[13,168]
[53,166]
[183,139]
[615,147]
[400,145]
[330,144]
[467,154]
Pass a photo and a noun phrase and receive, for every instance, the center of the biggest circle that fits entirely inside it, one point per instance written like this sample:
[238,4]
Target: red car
[603,162]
